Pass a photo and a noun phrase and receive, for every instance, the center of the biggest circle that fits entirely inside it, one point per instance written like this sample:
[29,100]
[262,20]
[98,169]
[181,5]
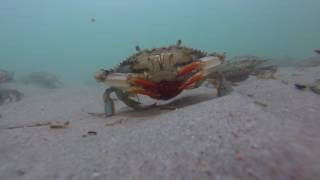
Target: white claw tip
[100,75]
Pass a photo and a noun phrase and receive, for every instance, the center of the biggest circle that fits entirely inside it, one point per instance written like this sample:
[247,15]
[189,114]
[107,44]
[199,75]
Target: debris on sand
[59,126]
[262,104]
[300,86]
[43,79]
[51,125]
[32,125]
[314,87]
[92,133]
[95,114]
[119,121]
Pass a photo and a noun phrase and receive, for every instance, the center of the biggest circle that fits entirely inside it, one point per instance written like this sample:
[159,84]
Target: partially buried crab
[160,73]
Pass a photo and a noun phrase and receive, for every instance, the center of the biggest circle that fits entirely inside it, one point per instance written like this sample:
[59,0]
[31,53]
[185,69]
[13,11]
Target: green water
[58,36]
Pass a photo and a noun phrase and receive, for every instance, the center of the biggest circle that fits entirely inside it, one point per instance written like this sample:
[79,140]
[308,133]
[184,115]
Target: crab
[160,73]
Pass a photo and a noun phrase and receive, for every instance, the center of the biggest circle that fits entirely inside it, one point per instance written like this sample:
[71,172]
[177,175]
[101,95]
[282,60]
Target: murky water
[74,38]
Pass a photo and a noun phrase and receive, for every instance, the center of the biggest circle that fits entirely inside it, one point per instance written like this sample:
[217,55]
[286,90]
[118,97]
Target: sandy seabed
[265,129]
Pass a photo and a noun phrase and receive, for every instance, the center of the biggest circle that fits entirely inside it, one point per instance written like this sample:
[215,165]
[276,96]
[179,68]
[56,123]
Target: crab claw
[118,80]
[123,85]
[199,70]
[204,65]
[209,64]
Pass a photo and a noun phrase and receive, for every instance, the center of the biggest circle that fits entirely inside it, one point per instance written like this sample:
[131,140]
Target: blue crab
[160,73]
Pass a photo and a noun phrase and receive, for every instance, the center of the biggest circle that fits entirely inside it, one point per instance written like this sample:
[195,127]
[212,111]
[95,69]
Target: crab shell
[161,73]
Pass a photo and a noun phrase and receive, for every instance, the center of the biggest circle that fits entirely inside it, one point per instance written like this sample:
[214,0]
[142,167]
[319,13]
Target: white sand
[232,137]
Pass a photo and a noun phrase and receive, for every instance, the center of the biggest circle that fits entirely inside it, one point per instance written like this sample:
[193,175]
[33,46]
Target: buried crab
[160,73]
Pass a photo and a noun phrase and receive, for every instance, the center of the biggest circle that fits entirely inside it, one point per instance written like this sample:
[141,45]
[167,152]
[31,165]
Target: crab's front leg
[124,86]
[223,86]
[109,106]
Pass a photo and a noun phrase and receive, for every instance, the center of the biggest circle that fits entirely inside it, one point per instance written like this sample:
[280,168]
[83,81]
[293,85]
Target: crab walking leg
[109,107]
[223,86]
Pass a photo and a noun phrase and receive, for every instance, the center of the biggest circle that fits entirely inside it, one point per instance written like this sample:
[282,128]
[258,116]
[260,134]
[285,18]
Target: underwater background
[61,37]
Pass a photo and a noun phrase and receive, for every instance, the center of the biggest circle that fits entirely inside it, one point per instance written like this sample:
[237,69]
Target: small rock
[300,86]
[59,126]
[239,156]
[261,104]
[92,133]
[96,174]
[285,82]
[255,146]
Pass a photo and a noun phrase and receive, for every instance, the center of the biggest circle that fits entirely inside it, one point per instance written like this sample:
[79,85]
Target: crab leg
[109,107]
[124,85]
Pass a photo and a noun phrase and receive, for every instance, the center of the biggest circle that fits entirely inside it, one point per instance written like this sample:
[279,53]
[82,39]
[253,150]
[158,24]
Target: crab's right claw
[203,68]
[210,63]
[204,65]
